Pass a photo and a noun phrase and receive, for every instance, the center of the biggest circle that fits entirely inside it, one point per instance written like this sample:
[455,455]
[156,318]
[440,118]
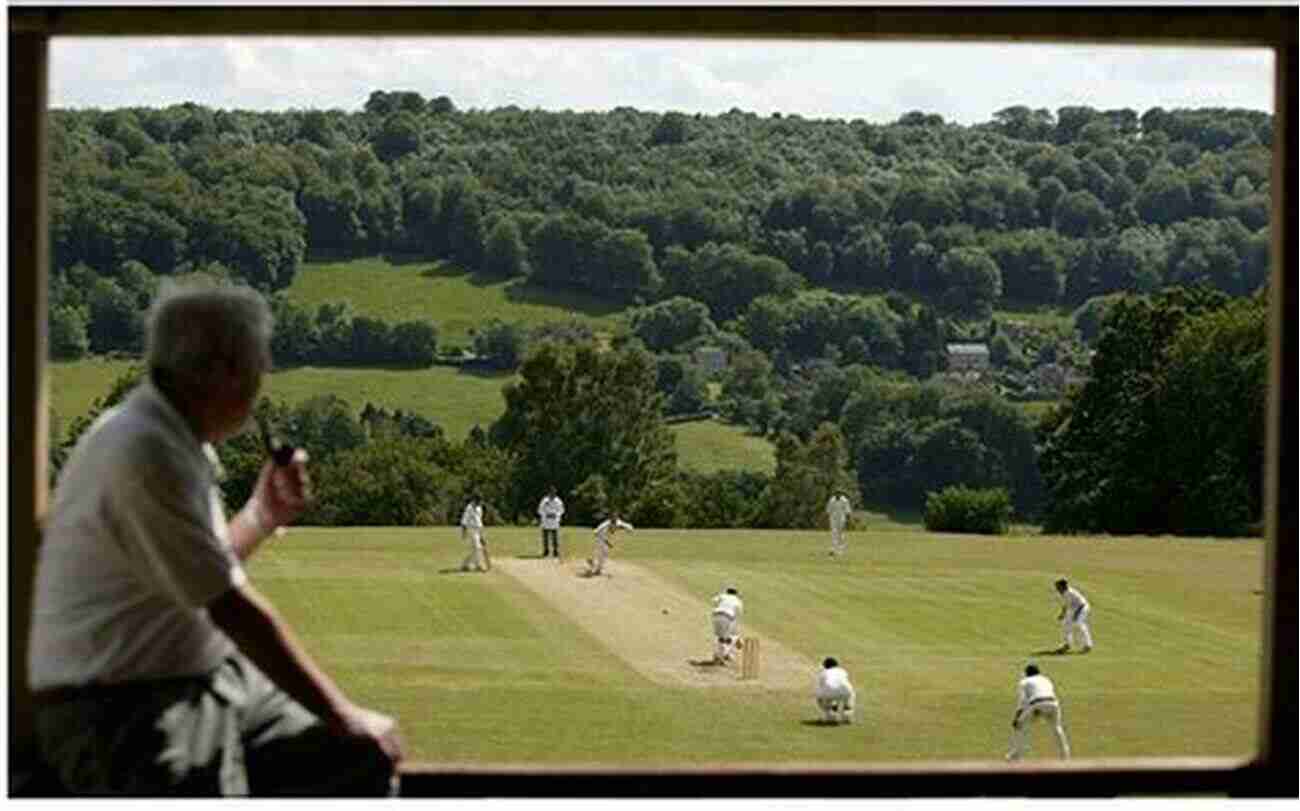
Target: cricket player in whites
[1036,698]
[1075,612]
[727,608]
[838,509]
[549,513]
[471,529]
[600,553]
[835,695]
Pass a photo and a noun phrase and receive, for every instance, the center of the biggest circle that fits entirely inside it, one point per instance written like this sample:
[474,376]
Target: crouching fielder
[1036,698]
[1075,615]
[727,608]
[835,695]
[600,553]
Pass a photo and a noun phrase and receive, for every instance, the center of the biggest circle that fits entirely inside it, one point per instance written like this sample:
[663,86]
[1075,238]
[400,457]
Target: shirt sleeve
[170,520]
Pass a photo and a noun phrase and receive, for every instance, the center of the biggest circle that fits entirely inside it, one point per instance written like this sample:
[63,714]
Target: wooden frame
[1271,772]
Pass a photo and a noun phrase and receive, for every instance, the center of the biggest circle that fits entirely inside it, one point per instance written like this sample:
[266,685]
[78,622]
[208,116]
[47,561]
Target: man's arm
[258,631]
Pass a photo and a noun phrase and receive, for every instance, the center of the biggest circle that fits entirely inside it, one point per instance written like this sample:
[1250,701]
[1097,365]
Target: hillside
[455,301]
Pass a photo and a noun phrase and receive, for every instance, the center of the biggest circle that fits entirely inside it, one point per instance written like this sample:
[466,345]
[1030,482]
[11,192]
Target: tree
[68,332]
[670,323]
[116,322]
[806,475]
[500,345]
[504,253]
[1081,214]
[1110,457]
[974,283]
[672,128]
[576,411]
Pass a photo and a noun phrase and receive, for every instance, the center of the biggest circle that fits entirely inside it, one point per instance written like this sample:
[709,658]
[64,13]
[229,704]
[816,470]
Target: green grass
[1038,315]
[934,629]
[74,386]
[453,399]
[455,301]
[707,446]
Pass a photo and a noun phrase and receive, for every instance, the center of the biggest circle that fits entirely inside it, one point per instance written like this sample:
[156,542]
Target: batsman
[727,608]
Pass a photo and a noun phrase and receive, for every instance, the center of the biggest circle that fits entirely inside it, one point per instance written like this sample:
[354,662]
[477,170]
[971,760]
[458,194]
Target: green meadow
[455,301]
[934,629]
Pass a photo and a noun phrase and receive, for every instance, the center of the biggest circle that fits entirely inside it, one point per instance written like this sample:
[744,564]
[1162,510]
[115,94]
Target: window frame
[1269,773]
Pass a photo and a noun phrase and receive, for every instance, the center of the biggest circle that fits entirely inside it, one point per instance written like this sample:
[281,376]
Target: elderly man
[156,666]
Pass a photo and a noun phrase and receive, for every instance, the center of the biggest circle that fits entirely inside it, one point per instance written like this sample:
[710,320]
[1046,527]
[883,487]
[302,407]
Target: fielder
[471,529]
[835,695]
[1075,612]
[1036,698]
[600,553]
[549,513]
[727,608]
[838,509]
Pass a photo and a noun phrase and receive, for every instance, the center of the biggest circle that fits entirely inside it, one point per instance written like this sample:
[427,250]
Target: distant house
[710,358]
[968,357]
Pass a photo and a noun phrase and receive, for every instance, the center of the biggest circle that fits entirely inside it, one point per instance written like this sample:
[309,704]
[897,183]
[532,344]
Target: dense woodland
[831,259]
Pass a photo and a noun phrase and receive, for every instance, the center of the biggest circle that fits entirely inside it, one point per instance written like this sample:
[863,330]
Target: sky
[877,82]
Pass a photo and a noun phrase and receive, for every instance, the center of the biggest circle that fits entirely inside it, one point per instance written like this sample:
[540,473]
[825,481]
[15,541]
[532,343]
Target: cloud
[965,83]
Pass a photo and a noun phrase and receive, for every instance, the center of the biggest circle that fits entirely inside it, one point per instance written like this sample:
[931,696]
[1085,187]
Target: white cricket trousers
[1071,624]
[838,545]
[837,704]
[1049,711]
[474,560]
[725,631]
[599,554]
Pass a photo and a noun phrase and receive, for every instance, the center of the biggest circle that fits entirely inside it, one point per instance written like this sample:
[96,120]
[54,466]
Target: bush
[964,509]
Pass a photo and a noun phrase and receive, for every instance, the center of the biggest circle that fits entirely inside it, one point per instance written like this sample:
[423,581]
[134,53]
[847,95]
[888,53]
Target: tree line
[1032,207]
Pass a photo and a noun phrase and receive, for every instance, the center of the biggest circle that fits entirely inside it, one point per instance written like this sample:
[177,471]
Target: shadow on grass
[486,373]
[1050,652]
[458,570]
[822,722]
[584,303]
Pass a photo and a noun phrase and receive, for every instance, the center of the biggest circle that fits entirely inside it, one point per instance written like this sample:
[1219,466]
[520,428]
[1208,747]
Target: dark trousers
[550,542]
[229,733]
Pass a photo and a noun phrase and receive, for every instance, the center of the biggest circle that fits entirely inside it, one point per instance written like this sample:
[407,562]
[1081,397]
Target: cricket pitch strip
[626,613]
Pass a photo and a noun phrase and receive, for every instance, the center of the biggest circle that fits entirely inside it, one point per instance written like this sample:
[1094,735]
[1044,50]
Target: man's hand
[283,491]
[363,723]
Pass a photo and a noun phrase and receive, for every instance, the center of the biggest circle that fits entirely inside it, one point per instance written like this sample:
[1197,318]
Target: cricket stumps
[750,657]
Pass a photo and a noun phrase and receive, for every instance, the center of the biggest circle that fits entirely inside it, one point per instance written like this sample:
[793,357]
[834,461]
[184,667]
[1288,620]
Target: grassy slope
[453,300]
[933,628]
[707,446]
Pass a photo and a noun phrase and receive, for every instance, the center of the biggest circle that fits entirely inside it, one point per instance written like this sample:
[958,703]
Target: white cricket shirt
[728,604]
[550,511]
[607,526]
[472,518]
[833,679]
[1034,690]
[1074,601]
[838,508]
[135,547]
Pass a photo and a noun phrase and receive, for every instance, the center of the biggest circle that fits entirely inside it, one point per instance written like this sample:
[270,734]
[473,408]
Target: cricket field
[533,664]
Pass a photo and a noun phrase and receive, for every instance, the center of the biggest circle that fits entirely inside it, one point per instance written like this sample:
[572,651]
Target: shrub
[964,509]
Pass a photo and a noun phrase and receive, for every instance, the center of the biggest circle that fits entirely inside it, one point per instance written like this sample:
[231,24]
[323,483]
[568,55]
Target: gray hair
[194,329]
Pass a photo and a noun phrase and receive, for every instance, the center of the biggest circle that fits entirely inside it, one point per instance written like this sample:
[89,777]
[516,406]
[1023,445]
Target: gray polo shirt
[135,547]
